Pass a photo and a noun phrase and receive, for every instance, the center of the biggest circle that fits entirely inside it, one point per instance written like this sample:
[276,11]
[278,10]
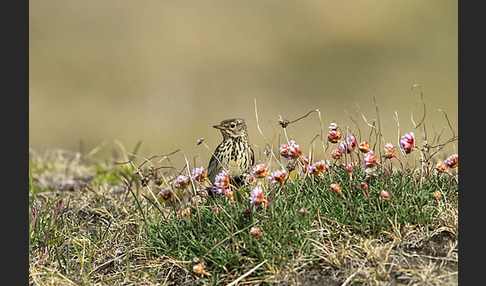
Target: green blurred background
[164,72]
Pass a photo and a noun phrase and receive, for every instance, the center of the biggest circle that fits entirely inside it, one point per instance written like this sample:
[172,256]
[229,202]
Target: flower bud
[199,270]
[385,195]
[336,188]
[255,232]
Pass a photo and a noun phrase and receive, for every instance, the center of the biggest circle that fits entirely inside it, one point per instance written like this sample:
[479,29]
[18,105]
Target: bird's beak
[219,127]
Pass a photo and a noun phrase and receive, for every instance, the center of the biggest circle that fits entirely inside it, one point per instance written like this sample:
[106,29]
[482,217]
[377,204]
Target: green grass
[98,223]
[111,231]
[223,242]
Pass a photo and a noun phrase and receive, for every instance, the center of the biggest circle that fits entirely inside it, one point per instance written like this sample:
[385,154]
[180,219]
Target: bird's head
[232,128]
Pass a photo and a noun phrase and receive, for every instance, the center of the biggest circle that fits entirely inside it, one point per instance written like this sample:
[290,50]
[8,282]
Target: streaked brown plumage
[234,153]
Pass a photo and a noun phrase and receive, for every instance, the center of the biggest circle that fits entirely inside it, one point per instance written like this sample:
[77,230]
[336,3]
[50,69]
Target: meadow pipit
[234,154]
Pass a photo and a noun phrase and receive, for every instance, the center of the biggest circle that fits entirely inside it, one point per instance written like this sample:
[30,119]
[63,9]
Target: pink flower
[452,161]
[347,145]
[259,171]
[199,174]
[349,168]
[336,154]
[408,142]
[334,136]
[304,160]
[318,168]
[441,167]
[181,182]
[370,159]
[291,150]
[294,149]
[257,197]
[364,147]
[385,195]
[364,186]
[284,150]
[389,151]
[336,188]
[351,140]
[277,177]
[221,182]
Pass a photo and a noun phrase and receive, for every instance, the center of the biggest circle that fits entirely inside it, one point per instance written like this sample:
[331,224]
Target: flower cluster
[364,147]
[334,136]
[451,162]
[291,150]
[221,183]
[389,151]
[336,154]
[277,177]
[350,143]
[199,174]
[181,182]
[259,171]
[257,197]
[370,159]
[318,168]
[408,142]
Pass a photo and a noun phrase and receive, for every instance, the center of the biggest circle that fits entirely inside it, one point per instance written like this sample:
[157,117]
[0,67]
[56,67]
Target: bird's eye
[233,125]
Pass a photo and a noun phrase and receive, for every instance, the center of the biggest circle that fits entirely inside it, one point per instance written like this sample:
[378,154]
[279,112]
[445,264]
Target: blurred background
[165,72]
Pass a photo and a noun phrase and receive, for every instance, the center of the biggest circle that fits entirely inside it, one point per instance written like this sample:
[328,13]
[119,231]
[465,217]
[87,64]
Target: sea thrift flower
[349,168]
[255,232]
[291,150]
[181,182]
[437,195]
[257,197]
[385,195]
[336,188]
[166,194]
[294,149]
[364,186]
[452,161]
[318,168]
[370,159]
[228,193]
[389,151]
[199,270]
[344,148]
[334,136]
[336,154]
[304,160]
[441,167]
[364,147]
[351,140]
[408,142]
[277,177]
[284,150]
[199,174]
[221,182]
[259,171]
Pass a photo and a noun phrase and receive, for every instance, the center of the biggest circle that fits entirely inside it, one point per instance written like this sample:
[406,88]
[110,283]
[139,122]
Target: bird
[234,154]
